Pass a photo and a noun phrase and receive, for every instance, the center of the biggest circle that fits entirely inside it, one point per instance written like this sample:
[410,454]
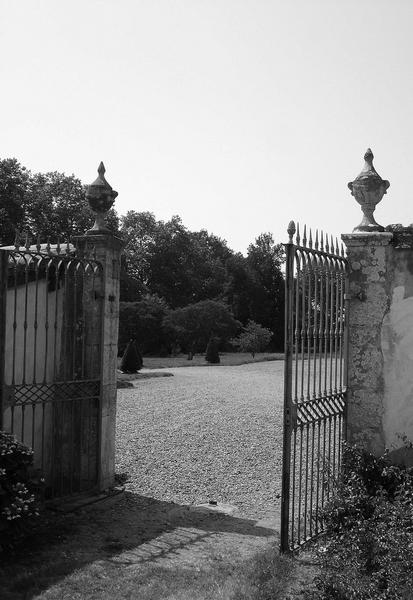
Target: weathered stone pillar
[368,255]
[107,250]
[380,360]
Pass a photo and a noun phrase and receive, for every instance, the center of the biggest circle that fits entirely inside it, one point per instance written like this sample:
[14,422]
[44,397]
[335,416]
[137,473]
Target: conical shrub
[131,359]
[212,354]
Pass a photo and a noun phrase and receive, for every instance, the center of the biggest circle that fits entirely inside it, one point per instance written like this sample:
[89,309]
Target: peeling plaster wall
[397,349]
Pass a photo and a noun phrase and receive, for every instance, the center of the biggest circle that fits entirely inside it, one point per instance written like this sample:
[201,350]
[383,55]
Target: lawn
[226,359]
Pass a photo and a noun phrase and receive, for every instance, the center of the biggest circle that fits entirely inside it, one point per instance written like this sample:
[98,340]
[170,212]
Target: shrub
[254,338]
[18,503]
[132,359]
[367,552]
[212,354]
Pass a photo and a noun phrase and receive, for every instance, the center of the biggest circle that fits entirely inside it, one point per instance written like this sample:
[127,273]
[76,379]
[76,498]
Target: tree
[14,182]
[55,206]
[254,338]
[142,321]
[194,325]
[181,266]
[50,205]
[265,258]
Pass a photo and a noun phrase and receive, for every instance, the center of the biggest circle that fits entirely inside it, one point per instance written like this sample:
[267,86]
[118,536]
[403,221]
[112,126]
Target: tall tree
[14,182]
[181,266]
[55,206]
[265,258]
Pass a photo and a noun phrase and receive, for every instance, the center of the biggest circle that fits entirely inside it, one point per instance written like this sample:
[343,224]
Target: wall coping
[367,238]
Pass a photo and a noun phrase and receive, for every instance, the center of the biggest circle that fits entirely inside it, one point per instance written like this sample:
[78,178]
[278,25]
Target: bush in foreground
[367,552]
[18,503]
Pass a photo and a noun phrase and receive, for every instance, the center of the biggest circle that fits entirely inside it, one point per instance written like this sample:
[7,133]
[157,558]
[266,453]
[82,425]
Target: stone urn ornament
[368,189]
[101,197]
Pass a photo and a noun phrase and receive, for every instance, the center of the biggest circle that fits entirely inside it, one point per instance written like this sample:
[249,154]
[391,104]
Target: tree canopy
[167,271]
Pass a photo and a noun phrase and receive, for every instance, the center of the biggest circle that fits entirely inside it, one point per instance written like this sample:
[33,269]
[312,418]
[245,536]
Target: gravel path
[205,433]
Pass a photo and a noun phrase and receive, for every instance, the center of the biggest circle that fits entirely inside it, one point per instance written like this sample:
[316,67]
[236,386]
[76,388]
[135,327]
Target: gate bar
[4,262]
[288,404]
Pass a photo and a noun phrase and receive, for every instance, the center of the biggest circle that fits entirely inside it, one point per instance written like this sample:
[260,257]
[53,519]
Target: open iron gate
[314,381]
[51,321]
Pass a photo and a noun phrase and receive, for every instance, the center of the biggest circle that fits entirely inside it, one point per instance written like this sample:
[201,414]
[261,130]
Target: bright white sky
[237,115]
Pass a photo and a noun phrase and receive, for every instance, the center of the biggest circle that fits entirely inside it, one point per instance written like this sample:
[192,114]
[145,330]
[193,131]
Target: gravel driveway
[205,433]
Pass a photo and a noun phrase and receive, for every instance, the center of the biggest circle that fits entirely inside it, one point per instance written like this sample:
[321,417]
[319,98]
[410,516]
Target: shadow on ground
[133,531]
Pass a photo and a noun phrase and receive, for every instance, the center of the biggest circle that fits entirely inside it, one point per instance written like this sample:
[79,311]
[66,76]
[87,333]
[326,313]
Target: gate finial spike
[332,244]
[58,245]
[27,241]
[327,247]
[48,250]
[291,231]
[337,250]
[342,250]
[316,239]
[322,241]
[310,240]
[16,240]
[305,236]
[68,245]
[297,237]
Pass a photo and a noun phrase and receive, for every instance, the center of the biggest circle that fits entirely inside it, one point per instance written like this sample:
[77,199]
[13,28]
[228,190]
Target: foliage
[211,353]
[194,325]
[43,204]
[13,186]
[18,502]
[132,359]
[367,552]
[264,259]
[181,266]
[254,338]
[142,321]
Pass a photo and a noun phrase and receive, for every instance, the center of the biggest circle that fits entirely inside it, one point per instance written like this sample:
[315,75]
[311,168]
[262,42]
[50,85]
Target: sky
[236,115]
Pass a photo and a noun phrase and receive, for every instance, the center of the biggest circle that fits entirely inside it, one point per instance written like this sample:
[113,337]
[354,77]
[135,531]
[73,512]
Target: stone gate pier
[380,319]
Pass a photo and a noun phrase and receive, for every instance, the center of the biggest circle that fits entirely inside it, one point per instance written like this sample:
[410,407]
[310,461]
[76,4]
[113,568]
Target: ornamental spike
[291,231]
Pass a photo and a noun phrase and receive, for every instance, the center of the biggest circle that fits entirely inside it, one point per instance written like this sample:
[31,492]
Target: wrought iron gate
[50,360]
[314,381]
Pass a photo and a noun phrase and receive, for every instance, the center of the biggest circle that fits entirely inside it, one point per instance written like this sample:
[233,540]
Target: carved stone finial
[101,197]
[368,189]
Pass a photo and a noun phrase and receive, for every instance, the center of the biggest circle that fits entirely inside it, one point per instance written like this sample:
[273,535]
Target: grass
[227,359]
[60,566]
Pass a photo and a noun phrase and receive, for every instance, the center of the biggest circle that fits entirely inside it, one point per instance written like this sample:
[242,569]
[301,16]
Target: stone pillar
[107,250]
[368,256]
[380,318]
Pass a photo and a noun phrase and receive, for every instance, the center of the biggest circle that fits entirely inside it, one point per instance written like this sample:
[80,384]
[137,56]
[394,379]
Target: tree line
[179,287]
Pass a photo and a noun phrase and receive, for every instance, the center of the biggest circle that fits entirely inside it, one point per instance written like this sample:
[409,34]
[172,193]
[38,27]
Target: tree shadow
[136,530]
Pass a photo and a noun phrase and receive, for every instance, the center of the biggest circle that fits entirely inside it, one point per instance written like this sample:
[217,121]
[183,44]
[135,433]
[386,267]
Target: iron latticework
[50,358]
[314,381]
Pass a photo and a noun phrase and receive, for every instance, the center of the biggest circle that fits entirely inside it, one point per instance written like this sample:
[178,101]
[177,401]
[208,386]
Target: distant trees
[143,322]
[176,286]
[194,325]
[45,204]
